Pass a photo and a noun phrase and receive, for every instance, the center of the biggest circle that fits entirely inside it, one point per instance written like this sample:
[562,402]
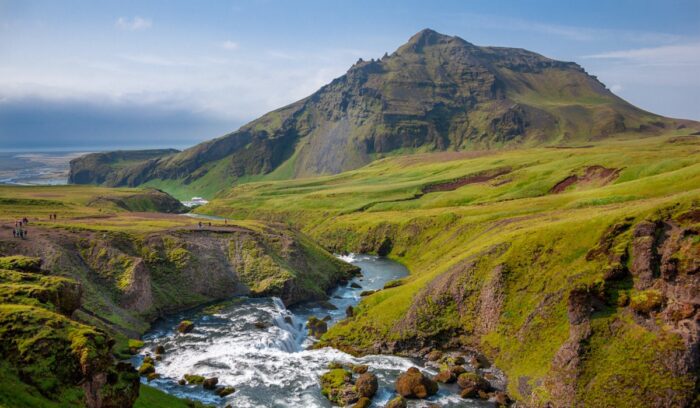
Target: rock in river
[413,384]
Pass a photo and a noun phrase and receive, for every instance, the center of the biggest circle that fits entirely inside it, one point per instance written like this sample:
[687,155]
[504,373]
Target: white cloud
[684,54]
[133,24]
[229,45]
[616,88]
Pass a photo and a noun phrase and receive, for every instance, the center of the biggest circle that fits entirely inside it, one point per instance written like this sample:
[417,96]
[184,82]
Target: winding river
[261,348]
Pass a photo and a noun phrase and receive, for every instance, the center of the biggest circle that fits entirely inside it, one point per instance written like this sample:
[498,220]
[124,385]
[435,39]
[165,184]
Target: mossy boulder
[646,301]
[336,385]
[472,385]
[134,345]
[398,402]
[414,384]
[224,391]
[194,379]
[316,326]
[146,369]
[185,326]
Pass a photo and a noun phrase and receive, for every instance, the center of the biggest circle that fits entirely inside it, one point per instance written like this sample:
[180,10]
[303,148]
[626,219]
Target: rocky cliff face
[130,279]
[435,92]
[63,360]
[611,323]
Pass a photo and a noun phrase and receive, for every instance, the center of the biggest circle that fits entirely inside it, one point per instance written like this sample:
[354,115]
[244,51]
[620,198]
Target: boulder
[360,368]
[445,377]
[316,327]
[363,402]
[336,385]
[152,376]
[398,402]
[210,383]
[413,384]
[261,325]
[434,355]
[349,311]
[224,391]
[473,385]
[146,369]
[185,326]
[354,285]
[182,381]
[159,350]
[501,399]
[194,379]
[367,385]
[457,370]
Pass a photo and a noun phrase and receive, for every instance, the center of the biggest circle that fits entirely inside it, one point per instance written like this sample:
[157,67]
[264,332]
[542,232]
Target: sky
[168,73]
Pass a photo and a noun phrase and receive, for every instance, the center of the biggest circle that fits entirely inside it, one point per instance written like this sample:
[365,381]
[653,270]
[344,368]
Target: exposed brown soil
[463,181]
[592,175]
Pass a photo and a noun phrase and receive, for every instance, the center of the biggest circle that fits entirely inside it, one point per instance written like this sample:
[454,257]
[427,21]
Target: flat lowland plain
[506,248]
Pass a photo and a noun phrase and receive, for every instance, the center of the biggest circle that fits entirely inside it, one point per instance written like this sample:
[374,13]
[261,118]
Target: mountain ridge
[434,93]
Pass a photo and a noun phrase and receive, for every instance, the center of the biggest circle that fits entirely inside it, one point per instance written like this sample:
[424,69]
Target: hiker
[25,220]
[210,223]
[14,233]
[200,224]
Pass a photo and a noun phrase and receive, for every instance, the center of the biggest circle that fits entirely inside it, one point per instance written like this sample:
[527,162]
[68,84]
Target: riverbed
[262,349]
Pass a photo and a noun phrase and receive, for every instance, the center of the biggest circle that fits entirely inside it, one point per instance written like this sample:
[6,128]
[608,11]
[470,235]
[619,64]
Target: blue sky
[172,73]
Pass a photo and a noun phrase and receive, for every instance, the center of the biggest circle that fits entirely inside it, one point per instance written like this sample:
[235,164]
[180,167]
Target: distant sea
[48,166]
[36,168]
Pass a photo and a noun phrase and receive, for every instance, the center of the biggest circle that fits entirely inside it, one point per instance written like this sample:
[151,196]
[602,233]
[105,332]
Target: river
[261,348]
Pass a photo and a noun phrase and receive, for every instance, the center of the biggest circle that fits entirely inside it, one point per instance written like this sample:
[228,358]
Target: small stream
[261,348]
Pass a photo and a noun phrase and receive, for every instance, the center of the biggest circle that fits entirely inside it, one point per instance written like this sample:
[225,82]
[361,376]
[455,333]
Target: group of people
[201,224]
[20,230]
[52,217]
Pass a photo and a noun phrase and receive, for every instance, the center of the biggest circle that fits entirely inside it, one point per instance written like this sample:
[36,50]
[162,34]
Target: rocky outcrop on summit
[435,92]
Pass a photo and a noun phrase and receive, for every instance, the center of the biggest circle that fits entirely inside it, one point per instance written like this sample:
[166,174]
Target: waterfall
[293,332]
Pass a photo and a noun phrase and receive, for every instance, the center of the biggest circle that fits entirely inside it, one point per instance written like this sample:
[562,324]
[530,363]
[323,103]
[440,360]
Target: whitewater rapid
[261,348]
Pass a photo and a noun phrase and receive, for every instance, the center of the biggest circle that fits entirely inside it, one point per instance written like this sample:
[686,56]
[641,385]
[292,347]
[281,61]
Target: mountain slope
[435,92]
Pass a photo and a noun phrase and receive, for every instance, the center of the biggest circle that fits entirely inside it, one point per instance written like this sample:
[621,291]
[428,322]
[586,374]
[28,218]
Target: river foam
[261,348]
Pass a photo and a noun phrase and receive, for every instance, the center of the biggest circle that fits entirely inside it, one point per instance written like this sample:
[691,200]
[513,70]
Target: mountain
[436,92]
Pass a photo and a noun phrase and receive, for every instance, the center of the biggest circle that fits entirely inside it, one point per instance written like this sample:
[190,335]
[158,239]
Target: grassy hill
[434,93]
[575,270]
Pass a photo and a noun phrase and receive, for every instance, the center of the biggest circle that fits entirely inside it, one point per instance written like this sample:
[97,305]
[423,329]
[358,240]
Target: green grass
[150,397]
[513,220]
